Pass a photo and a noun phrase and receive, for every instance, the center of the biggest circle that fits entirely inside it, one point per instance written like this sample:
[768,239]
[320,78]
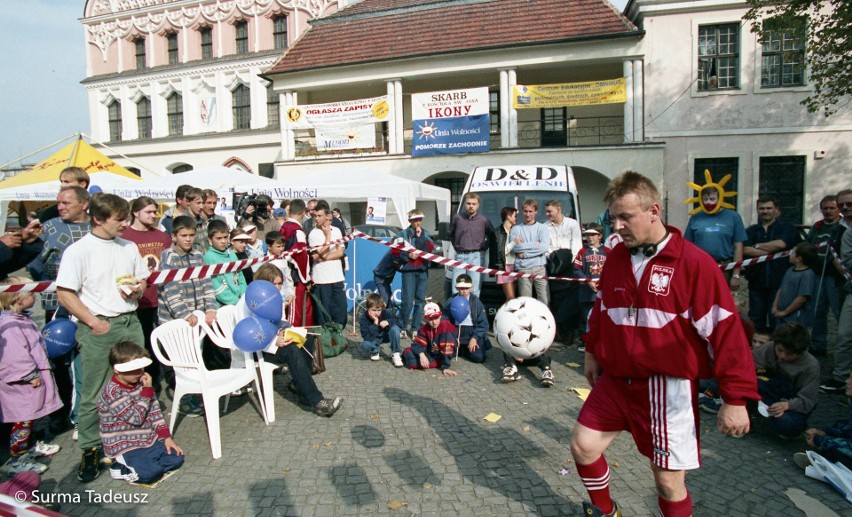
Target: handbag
[318,363]
[331,338]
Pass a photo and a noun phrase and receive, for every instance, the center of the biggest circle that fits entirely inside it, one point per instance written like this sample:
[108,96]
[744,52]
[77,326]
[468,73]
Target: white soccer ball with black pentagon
[524,328]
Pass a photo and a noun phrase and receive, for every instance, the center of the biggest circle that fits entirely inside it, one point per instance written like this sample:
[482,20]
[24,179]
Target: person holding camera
[258,211]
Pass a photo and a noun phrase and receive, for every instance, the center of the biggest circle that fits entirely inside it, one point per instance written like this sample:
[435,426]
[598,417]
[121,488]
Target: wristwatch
[757,246]
[735,276]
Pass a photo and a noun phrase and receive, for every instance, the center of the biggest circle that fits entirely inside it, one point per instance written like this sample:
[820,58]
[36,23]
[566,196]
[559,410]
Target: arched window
[175,113]
[143,117]
[115,121]
[241,107]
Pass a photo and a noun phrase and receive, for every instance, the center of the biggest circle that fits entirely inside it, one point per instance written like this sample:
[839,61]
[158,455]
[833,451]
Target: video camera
[260,202]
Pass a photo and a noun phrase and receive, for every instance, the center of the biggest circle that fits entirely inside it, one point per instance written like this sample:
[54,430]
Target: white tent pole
[40,150]
[159,175]
[354,280]
[73,151]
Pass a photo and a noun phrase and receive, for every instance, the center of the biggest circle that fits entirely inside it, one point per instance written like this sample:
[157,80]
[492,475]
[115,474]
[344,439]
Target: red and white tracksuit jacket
[680,321]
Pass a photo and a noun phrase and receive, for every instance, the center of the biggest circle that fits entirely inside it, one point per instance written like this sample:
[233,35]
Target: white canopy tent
[358,185]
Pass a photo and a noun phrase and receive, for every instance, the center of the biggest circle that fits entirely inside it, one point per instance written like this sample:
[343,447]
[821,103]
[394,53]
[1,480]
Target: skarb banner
[450,122]
[341,113]
[569,94]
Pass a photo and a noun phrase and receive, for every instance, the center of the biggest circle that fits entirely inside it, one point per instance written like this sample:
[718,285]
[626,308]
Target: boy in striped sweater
[132,427]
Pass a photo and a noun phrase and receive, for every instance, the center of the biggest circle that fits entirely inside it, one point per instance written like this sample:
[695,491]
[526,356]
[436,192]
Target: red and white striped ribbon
[187,273]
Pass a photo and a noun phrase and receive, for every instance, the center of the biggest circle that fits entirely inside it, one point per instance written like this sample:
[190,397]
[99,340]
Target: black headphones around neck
[649,250]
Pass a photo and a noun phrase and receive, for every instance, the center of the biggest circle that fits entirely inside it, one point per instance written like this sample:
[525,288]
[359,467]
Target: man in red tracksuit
[663,318]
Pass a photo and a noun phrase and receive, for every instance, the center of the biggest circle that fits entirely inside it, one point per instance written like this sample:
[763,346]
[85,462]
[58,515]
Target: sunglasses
[845,204]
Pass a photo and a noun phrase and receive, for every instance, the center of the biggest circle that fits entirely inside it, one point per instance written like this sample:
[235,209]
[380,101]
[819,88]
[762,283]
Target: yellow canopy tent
[76,154]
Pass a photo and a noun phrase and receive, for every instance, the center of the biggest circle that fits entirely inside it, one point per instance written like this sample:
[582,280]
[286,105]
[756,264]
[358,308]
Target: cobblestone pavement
[415,443]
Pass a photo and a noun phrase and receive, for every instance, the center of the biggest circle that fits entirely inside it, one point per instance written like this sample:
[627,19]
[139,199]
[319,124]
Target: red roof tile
[379,30]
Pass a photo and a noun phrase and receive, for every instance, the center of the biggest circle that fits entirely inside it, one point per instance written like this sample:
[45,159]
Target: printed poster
[450,122]
[341,113]
[377,208]
[590,93]
[345,137]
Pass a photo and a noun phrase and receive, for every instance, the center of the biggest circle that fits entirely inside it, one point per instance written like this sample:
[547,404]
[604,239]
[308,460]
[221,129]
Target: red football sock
[595,477]
[682,508]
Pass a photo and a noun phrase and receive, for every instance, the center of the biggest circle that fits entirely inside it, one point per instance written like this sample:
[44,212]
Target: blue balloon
[94,189]
[59,337]
[254,334]
[264,300]
[459,308]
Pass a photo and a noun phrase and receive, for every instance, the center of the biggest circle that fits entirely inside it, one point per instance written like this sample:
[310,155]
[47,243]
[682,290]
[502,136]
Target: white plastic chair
[177,344]
[221,333]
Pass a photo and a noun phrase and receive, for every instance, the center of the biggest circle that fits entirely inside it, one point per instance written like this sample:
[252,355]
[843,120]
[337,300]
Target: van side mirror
[444,231]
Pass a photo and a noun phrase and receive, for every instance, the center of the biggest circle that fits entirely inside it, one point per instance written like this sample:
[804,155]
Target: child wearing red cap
[434,345]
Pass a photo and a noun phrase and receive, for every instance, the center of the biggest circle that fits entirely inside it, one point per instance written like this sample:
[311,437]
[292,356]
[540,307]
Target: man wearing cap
[470,233]
[415,272]
[589,264]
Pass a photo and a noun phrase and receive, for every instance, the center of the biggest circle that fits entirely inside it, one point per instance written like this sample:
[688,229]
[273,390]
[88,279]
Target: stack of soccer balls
[524,328]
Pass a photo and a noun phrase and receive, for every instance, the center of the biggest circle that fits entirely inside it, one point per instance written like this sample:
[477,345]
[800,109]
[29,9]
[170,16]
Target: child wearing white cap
[132,427]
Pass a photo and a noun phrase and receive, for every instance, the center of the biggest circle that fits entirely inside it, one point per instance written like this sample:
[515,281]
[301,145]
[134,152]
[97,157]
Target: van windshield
[490,203]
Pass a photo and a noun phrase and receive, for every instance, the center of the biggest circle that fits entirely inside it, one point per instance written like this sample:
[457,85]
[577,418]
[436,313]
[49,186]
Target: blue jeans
[413,295]
[829,298]
[383,287]
[464,339]
[760,302]
[475,258]
[374,347]
[151,463]
[333,298]
[299,364]
[776,389]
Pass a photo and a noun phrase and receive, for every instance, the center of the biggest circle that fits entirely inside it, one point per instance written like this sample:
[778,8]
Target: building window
[174,109]
[456,187]
[172,41]
[242,38]
[719,168]
[494,111]
[182,168]
[241,107]
[139,45]
[272,106]
[206,43]
[784,177]
[783,57]
[554,132]
[114,121]
[143,117]
[718,57]
[266,170]
[279,31]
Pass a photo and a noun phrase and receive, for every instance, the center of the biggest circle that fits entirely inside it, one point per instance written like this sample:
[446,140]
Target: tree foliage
[828,47]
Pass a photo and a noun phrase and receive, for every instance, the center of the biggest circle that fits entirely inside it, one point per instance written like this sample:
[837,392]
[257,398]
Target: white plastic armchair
[221,333]
[178,344]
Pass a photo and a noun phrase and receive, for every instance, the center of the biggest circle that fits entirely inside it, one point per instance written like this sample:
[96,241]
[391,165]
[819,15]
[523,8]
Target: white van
[511,185]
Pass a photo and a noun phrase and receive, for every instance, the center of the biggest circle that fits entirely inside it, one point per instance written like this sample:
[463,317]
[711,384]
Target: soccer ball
[524,328]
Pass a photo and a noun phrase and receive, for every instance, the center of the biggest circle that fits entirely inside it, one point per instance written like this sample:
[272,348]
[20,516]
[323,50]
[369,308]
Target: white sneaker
[547,378]
[510,373]
[75,434]
[375,357]
[42,449]
[396,359]
[123,473]
[403,335]
[25,463]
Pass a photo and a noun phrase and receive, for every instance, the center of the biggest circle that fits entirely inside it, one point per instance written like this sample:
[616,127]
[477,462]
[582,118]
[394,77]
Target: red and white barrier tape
[846,273]
[463,265]
[187,273]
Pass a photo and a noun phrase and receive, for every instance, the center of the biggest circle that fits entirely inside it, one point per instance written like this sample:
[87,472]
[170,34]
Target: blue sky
[44,60]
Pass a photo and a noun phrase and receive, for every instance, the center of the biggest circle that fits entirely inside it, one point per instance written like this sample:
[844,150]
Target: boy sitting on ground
[434,345]
[473,330]
[787,379]
[833,443]
[378,325]
[132,427]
